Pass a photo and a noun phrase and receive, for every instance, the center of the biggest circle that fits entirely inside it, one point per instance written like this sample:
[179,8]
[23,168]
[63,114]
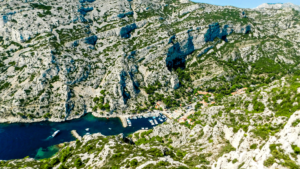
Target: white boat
[143,128]
[160,119]
[55,133]
[155,121]
[146,128]
[87,134]
[109,128]
[87,129]
[151,121]
[129,122]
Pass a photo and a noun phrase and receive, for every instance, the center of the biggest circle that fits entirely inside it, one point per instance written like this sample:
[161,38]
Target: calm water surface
[34,139]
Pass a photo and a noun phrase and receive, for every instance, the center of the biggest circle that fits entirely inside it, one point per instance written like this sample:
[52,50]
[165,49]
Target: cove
[19,140]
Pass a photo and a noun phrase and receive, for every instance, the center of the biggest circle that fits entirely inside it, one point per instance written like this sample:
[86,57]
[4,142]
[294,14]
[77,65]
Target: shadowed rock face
[214,31]
[125,94]
[83,1]
[84,11]
[91,40]
[123,15]
[177,53]
[248,29]
[125,31]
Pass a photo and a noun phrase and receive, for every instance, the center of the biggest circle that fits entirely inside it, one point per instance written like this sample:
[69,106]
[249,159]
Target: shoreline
[122,118]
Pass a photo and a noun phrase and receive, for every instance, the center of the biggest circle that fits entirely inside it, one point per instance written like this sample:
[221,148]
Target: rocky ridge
[56,57]
[60,60]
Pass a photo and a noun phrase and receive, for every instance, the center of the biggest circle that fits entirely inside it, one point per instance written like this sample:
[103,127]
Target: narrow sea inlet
[35,140]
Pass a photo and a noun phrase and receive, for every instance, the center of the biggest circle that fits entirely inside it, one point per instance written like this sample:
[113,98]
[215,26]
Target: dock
[123,120]
[76,135]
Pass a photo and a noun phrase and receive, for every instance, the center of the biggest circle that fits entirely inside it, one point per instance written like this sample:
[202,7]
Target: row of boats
[154,121]
[160,117]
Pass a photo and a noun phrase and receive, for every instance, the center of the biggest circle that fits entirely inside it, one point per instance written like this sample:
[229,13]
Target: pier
[123,120]
[76,135]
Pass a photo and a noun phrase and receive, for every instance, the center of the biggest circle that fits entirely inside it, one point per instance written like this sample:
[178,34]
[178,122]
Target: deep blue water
[34,139]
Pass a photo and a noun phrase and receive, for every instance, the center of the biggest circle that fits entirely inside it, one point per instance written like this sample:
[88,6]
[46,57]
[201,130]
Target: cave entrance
[176,63]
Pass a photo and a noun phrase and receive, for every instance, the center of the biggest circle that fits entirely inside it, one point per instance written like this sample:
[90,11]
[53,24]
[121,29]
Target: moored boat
[55,133]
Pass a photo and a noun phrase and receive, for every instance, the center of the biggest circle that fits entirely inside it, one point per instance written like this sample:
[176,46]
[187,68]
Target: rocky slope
[61,59]
[257,130]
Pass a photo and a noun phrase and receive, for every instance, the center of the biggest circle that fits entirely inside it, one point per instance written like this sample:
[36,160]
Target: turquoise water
[34,139]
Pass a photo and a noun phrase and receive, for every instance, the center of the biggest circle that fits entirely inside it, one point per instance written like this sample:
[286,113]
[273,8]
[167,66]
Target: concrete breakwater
[124,118]
[76,135]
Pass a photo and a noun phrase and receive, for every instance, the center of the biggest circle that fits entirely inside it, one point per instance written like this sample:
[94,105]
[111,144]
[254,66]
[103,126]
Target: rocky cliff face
[59,58]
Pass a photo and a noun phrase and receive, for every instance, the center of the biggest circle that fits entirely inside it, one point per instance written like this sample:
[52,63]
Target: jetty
[76,135]
[123,120]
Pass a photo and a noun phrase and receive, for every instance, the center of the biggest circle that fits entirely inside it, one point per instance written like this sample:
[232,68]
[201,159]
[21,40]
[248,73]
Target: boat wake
[48,138]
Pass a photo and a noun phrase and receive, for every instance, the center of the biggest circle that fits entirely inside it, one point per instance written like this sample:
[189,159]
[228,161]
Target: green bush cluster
[152,88]
[226,149]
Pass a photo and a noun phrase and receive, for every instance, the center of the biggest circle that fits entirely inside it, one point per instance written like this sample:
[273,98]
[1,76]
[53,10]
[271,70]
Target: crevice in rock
[176,55]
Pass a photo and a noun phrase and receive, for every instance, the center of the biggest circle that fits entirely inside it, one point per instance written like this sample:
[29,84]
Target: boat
[146,128]
[87,129]
[87,134]
[160,119]
[143,128]
[155,121]
[129,122]
[55,133]
[109,128]
[151,121]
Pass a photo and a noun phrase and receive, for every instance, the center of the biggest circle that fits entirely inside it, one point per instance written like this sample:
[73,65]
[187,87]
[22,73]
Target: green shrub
[234,161]
[54,161]
[180,153]
[297,150]
[134,162]
[162,163]
[40,6]
[253,146]
[226,149]
[46,166]
[273,147]
[270,161]
[296,122]
[78,162]
[262,132]
[13,63]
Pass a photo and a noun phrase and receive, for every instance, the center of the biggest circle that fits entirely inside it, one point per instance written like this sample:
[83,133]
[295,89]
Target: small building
[182,119]
[160,104]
